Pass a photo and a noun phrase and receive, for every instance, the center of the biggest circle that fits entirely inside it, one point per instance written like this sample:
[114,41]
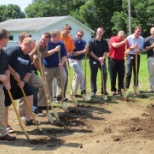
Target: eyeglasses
[79,35]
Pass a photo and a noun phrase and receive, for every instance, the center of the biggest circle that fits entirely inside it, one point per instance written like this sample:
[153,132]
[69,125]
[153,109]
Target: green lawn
[143,76]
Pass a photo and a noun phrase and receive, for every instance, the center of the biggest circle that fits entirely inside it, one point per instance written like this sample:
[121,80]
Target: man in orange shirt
[69,45]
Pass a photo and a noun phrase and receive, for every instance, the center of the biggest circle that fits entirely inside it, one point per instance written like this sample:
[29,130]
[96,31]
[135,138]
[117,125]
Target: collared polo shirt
[148,42]
[69,43]
[79,46]
[132,41]
[117,53]
[98,47]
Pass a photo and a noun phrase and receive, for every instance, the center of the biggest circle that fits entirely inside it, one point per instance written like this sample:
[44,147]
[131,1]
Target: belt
[75,59]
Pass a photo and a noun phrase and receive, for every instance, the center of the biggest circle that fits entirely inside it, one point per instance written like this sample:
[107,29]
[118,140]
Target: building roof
[34,24]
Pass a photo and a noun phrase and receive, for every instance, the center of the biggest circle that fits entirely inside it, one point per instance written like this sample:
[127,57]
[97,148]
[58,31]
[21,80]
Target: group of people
[19,66]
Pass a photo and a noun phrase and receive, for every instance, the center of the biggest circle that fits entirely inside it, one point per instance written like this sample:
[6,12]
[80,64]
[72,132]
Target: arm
[149,47]
[118,44]
[77,53]
[51,52]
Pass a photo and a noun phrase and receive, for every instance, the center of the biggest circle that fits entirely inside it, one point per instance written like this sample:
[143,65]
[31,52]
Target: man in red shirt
[116,60]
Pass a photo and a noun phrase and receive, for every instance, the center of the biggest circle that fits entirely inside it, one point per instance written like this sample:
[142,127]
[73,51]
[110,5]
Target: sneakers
[8,138]
[31,122]
[78,96]
[83,92]
[9,129]
[59,98]
[40,108]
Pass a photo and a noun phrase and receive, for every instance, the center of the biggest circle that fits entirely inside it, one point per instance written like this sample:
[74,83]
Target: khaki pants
[34,81]
[51,73]
[3,130]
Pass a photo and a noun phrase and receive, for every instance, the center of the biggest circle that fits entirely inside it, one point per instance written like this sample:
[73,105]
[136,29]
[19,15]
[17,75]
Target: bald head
[121,35]
[152,31]
[28,44]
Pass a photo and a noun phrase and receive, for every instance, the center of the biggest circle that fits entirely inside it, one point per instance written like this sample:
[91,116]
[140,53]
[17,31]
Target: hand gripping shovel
[27,103]
[136,88]
[74,100]
[47,95]
[86,97]
[63,104]
[124,91]
[103,83]
[15,109]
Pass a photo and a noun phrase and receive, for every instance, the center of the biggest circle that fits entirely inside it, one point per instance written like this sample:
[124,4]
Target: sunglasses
[79,35]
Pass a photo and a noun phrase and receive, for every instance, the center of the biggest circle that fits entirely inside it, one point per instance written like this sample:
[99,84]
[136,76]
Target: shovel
[27,103]
[103,83]
[74,100]
[86,97]
[136,88]
[15,109]
[63,104]
[124,91]
[47,95]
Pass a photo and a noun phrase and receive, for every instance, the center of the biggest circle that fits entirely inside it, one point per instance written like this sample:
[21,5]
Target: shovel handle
[26,100]
[15,109]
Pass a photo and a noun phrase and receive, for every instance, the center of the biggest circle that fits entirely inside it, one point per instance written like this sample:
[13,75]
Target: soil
[115,126]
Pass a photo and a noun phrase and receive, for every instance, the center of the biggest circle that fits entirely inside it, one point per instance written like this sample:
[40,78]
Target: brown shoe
[8,138]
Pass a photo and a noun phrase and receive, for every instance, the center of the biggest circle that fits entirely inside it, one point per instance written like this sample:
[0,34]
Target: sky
[21,3]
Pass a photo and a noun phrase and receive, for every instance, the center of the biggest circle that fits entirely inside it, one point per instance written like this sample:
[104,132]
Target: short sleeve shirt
[117,53]
[98,47]
[53,60]
[19,62]
[3,62]
[148,42]
[69,43]
[132,41]
[79,46]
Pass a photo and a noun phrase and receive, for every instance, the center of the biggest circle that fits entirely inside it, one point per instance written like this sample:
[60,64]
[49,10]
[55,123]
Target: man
[4,80]
[149,47]
[40,51]
[136,43]
[69,45]
[20,70]
[22,36]
[75,61]
[98,49]
[116,61]
[53,65]
[35,81]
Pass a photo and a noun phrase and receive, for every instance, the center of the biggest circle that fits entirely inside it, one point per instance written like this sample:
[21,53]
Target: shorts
[16,93]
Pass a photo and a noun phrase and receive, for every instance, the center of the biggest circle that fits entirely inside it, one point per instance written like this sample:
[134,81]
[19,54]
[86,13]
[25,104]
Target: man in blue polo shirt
[75,61]
[53,65]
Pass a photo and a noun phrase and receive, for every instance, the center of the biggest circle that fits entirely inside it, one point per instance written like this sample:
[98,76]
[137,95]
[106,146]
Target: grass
[143,76]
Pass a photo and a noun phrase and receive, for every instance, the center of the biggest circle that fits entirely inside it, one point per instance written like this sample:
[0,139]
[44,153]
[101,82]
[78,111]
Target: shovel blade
[136,90]
[55,113]
[50,118]
[65,107]
[105,97]
[124,93]
[74,100]
[86,97]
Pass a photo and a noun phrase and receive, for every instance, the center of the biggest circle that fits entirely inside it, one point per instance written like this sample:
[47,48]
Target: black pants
[94,69]
[131,60]
[116,67]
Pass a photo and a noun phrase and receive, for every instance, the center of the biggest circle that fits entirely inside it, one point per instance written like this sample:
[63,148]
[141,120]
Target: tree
[10,12]
[142,14]
[44,8]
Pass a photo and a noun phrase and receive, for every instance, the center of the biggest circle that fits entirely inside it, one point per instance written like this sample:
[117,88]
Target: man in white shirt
[136,43]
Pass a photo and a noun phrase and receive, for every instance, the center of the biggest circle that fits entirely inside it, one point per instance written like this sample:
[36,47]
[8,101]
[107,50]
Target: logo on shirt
[23,61]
